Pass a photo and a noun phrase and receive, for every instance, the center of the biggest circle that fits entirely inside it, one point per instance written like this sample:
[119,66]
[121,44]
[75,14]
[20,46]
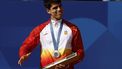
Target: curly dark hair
[47,3]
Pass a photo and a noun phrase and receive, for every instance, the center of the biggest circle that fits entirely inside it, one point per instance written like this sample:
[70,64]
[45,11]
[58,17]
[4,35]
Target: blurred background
[100,23]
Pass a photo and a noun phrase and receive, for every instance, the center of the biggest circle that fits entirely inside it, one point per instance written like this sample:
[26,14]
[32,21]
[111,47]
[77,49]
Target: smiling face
[55,11]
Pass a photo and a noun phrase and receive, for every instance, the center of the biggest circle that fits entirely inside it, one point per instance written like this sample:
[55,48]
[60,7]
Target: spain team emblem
[65,32]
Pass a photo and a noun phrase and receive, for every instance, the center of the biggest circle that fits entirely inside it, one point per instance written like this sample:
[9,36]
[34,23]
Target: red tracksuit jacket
[70,41]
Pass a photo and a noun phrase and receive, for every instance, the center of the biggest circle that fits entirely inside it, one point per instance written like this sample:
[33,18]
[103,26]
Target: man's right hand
[23,58]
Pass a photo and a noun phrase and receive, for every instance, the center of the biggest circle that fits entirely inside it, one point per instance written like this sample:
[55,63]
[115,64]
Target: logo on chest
[65,32]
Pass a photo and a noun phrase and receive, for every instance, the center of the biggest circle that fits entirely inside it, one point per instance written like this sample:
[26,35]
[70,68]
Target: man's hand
[23,58]
[59,66]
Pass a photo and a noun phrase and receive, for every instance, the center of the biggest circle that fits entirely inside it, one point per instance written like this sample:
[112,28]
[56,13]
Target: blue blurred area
[115,19]
[99,23]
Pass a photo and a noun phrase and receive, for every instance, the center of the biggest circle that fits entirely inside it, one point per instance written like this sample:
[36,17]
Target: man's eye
[55,7]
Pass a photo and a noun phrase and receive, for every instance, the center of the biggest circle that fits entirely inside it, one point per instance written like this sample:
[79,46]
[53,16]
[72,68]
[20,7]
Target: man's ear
[48,11]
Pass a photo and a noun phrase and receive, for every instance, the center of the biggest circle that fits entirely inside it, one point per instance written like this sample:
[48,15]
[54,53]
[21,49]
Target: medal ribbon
[58,38]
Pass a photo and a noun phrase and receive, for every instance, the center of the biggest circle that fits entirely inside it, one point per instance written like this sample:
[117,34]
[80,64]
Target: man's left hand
[59,66]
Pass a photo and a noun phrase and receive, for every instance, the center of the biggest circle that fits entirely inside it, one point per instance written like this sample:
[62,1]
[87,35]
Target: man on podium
[58,39]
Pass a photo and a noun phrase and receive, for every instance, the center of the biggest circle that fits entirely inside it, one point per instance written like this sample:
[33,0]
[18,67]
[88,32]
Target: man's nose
[59,8]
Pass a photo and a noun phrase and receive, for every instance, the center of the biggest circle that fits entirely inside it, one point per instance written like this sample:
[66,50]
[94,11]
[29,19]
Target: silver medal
[56,54]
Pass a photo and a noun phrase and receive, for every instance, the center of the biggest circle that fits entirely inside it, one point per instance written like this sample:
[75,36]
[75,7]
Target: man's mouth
[59,13]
